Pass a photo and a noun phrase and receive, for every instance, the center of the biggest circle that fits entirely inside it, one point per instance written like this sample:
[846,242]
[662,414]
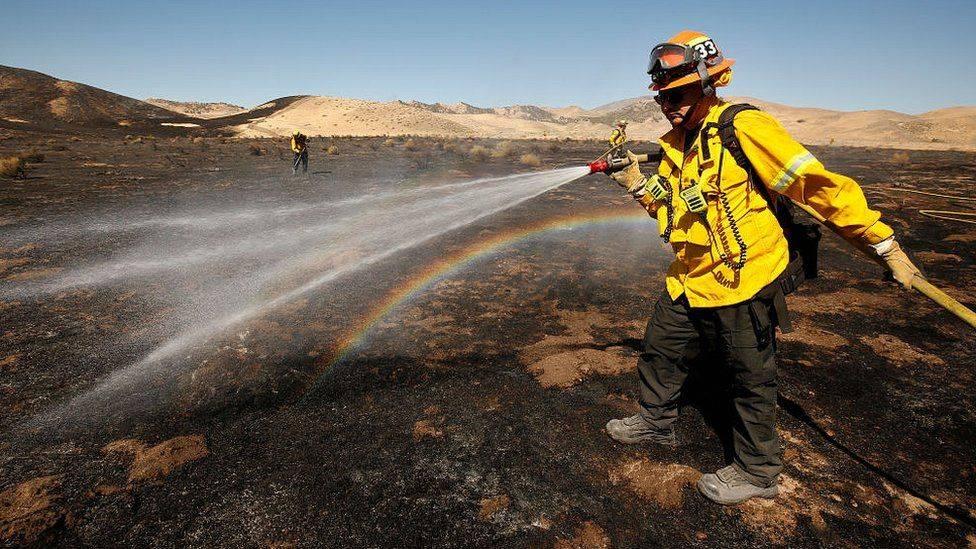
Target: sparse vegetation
[411,145]
[479,153]
[505,149]
[255,149]
[332,150]
[389,142]
[900,157]
[13,166]
[554,147]
[531,159]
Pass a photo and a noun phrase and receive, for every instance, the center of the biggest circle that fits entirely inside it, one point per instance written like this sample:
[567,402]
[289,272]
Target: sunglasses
[671,97]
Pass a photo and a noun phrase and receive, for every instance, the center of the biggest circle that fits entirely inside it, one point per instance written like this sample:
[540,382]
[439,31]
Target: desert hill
[941,129]
[32,99]
[197,110]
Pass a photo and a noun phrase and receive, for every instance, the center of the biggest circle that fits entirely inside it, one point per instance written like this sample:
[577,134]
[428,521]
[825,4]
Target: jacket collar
[672,141]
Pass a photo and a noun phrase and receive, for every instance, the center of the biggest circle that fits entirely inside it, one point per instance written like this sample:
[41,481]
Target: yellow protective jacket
[298,143]
[783,166]
[617,137]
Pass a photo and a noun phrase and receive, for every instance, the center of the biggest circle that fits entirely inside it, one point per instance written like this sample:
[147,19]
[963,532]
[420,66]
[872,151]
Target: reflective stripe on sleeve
[794,168]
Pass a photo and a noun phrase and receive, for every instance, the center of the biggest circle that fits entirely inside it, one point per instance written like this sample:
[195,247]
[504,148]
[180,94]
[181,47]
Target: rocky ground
[455,395]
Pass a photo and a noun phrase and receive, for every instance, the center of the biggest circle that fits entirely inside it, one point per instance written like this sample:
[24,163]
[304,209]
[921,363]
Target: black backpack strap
[726,133]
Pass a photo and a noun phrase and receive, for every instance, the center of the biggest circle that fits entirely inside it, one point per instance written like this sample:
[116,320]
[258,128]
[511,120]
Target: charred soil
[470,411]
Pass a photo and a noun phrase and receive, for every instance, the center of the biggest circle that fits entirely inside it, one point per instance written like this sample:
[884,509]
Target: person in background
[617,139]
[299,146]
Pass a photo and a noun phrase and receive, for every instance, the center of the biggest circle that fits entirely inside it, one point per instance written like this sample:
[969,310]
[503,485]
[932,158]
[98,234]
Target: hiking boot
[634,430]
[728,486]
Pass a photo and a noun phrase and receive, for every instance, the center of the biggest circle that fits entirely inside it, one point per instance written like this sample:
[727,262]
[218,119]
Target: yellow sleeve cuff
[877,232]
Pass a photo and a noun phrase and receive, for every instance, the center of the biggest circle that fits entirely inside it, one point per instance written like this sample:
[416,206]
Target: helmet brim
[725,65]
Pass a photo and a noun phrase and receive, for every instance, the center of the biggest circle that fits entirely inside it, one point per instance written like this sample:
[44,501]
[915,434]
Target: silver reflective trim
[789,175]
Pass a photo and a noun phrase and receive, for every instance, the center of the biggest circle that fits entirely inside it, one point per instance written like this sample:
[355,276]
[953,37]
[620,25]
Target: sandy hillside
[941,129]
[33,99]
[196,109]
[340,116]
[29,99]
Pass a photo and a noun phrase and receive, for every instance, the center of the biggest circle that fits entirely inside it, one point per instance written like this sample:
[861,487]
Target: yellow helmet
[621,123]
[297,133]
[686,58]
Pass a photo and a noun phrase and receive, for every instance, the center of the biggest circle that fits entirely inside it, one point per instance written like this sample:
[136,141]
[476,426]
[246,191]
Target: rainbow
[448,266]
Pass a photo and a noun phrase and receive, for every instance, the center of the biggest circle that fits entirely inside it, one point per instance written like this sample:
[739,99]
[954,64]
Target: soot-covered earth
[454,392]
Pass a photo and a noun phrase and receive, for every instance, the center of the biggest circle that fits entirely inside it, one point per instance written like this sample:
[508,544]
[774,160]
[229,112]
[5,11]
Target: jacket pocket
[698,234]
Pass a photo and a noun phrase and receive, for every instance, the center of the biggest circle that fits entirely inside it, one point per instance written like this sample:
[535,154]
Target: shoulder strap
[726,133]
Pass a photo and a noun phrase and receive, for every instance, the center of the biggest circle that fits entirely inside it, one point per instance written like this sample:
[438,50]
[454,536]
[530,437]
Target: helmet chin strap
[706,80]
[708,90]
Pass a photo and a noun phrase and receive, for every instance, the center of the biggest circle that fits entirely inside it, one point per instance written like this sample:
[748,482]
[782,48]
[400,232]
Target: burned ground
[469,412]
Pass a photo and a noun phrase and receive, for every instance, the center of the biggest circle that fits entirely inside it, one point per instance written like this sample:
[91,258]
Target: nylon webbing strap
[726,133]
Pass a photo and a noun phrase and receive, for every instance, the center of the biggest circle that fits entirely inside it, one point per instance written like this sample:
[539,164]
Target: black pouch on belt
[774,297]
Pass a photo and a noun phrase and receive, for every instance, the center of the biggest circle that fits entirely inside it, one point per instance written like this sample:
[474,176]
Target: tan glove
[630,177]
[902,269]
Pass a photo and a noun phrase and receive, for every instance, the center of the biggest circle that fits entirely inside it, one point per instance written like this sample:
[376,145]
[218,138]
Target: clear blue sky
[904,55]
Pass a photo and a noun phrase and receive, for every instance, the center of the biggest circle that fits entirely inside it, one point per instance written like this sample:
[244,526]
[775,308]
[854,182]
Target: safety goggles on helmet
[672,61]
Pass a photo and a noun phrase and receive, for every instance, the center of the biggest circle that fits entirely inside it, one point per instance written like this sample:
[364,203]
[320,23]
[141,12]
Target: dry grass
[531,159]
[554,147]
[900,157]
[390,142]
[332,150]
[13,166]
[255,149]
[505,149]
[479,153]
[411,145]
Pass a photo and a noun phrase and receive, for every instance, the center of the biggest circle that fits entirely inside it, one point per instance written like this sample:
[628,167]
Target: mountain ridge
[33,100]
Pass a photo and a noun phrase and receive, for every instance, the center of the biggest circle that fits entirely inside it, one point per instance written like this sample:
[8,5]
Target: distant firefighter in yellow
[299,146]
[617,138]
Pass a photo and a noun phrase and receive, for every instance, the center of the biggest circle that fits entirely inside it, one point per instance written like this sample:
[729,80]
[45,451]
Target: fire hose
[919,284]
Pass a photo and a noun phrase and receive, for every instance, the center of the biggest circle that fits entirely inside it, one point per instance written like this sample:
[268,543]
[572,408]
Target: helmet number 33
[706,49]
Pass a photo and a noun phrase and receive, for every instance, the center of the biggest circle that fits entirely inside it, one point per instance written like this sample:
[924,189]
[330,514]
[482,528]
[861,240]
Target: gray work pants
[744,338]
[301,158]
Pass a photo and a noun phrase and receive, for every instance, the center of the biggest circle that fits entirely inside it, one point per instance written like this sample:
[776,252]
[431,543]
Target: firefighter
[617,139]
[714,196]
[299,146]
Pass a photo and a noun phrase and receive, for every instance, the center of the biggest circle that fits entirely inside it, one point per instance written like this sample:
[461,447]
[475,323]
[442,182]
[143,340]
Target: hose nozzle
[610,165]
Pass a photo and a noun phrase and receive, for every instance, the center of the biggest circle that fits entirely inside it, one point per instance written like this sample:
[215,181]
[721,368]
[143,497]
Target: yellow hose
[928,290]
[948,215]
[608,151]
